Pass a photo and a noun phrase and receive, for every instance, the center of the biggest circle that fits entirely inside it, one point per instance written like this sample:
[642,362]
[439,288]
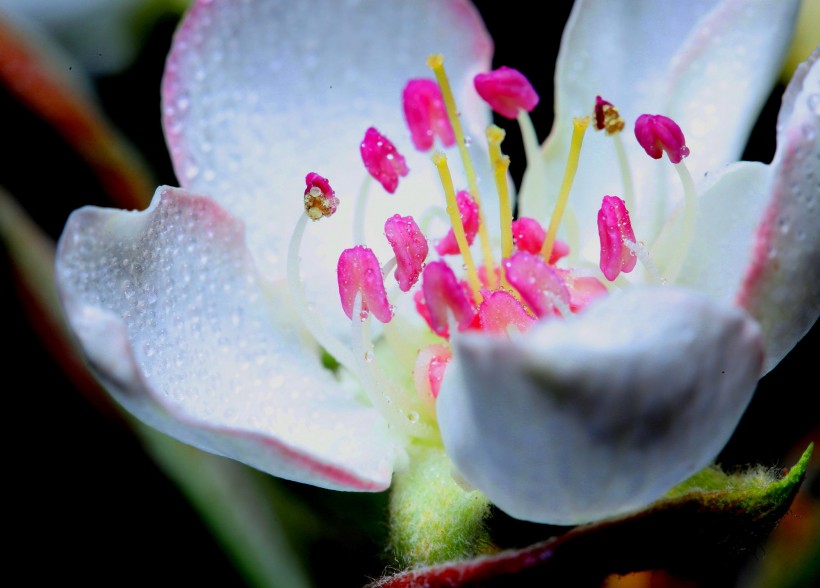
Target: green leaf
[702,531]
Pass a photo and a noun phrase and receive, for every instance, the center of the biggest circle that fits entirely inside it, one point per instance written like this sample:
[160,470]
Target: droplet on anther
[657,133]
[358,271]
[382,160]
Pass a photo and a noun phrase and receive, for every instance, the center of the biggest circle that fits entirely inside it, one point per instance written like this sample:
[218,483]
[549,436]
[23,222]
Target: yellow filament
[440,161]
[436,63]
[579,127]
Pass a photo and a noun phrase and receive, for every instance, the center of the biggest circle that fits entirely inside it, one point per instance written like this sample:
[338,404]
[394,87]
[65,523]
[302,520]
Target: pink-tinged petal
[382,160]
[781,288]
[500,310]
[410,248]
[445,299]
[182,330]
[507,91]
[468,210]
[359,274]
[251,103]
[709,65]
[614,230]
[601,413]
[426,114]
[541,287]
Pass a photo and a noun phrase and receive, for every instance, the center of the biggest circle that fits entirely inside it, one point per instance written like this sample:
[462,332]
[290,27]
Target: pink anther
[320,199]
[426,114]
[657,133]
[468,210]
[529,235]
[614,230]
[507,91]
[541,287]
[582,289]
[409,246]
[428,371]
[443,296]
[500,310]
[382,160]
[359,273]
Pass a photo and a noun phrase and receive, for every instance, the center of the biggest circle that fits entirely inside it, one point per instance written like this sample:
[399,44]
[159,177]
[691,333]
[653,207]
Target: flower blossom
[565,397]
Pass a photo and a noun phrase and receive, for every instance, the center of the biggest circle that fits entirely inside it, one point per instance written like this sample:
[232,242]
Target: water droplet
[808,132]
[369,356]
[413,416]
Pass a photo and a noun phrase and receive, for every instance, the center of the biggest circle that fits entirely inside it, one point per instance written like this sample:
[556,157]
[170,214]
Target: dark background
[86,504]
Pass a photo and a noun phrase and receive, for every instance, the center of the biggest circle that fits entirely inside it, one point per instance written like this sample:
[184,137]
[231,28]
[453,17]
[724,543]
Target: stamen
[540,286]
[529,235]
[382,160]
[444,295]
[500,310]
[507,91]
[428,372]
[639,250]
[658,134]
[608,119]
[440,161]
[426,114]
[690,211]
[614,228]
[409,246]
[318,197]
[582,289]
[579,127]
[468,210]
[390,400]
[360,210]
[436,63]
[358,273]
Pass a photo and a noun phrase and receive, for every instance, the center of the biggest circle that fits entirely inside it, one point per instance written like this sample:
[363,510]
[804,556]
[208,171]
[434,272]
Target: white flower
[186,313]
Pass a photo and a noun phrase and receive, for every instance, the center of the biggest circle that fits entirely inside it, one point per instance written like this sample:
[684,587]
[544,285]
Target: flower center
[500,298]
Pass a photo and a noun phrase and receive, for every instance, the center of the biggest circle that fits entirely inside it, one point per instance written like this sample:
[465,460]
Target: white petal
[257,94]
[709,65]
[175,320]
[781,286]
[602,413]
[730,205]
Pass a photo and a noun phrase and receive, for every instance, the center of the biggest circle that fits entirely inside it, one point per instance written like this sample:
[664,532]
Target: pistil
[579,127]
[440,161]
[436,63]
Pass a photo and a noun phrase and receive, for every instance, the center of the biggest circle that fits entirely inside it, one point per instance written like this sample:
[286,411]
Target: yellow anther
[436,63]
[440,161]
[579,128]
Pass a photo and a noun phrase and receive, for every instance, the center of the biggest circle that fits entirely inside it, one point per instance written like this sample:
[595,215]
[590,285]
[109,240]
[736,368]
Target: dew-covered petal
[708,64]
[258,93]
[781,287]
[177,323]
[602,413]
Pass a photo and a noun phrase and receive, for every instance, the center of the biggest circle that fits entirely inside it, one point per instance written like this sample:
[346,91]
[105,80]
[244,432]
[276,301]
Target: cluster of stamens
[502,298]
